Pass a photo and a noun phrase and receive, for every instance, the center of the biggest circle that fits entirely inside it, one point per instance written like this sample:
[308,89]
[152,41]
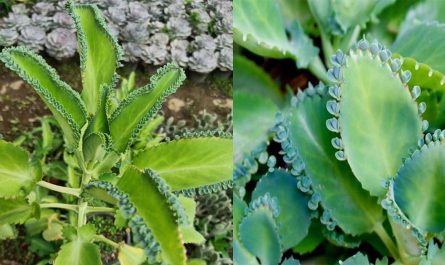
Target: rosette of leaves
[32,37]
[150,192]
[61,43]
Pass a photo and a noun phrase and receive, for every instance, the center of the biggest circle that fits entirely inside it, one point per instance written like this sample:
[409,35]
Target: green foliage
[357,165]
[107,164]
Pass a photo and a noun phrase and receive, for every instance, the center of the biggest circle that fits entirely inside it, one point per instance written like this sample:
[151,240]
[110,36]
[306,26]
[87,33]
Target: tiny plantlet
[148,188]
[361,155]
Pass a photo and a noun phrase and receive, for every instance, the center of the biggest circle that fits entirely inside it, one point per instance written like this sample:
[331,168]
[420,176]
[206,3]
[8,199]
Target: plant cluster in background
[354,163]
[195,34]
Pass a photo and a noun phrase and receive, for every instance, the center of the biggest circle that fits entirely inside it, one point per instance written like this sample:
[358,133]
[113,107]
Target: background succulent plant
[153,32]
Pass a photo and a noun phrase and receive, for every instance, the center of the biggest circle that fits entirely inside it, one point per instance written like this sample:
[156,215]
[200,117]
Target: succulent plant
[138,25]
[32,37]
[361,154]
[61,43]
[8,36]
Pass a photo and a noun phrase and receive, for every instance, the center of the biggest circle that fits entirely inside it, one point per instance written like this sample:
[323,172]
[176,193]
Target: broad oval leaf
[240,254]
[431,49]
[418,188]
[153,202]
[283,186]
[379,120]
[354,210]
[259,27]
[142,105]
[190,163]
[80,250]
[16,211]
[251,78]
[258,232]
[61,99]
[251,109]
[99,52]
[16,172]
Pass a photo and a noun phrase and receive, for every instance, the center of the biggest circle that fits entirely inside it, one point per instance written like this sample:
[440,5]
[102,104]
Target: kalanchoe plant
[149,190]
[358,162]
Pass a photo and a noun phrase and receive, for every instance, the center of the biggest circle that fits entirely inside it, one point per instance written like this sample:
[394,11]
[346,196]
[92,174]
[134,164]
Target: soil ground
[21,107]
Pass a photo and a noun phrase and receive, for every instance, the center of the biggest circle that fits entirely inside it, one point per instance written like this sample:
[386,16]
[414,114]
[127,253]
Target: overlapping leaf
[190,163]
[99,52]
[142,105]
[61,99]
[156,204]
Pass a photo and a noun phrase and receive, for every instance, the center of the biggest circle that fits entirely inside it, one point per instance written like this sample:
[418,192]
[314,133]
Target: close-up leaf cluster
[350,170]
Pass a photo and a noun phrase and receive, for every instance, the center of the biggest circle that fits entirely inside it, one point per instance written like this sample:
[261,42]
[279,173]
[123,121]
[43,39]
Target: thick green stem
[82,215]
[326,45]
[101,238]
[317,68]
[386,239]
[350,38]
[57,188]
[59,206]
[100,210]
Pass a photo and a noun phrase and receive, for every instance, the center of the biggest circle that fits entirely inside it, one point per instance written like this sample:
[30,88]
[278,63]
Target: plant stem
[65,206]
[350,38]
[100,210]
[327,47]
[101,238]
[317,68]
[386,239]
[61,189]
[82,215]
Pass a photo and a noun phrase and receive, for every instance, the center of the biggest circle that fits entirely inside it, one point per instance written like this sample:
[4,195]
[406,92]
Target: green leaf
[188,231]
[283,186]
[61,99]
[80,250]
[99,52]
[430,51]
[350,13]
[417,188]
[258,231]
[98,154]
[298,10]
[99,122]
[259,27]
[313,239]
[357,259]
[16,211]
[251,78]
[190,163]
[240,254]
[7,231]
[17,176]
[378,118]
[290,261]
[332,181]
[129,255]
[153,202]
[251,109]
[142,105]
